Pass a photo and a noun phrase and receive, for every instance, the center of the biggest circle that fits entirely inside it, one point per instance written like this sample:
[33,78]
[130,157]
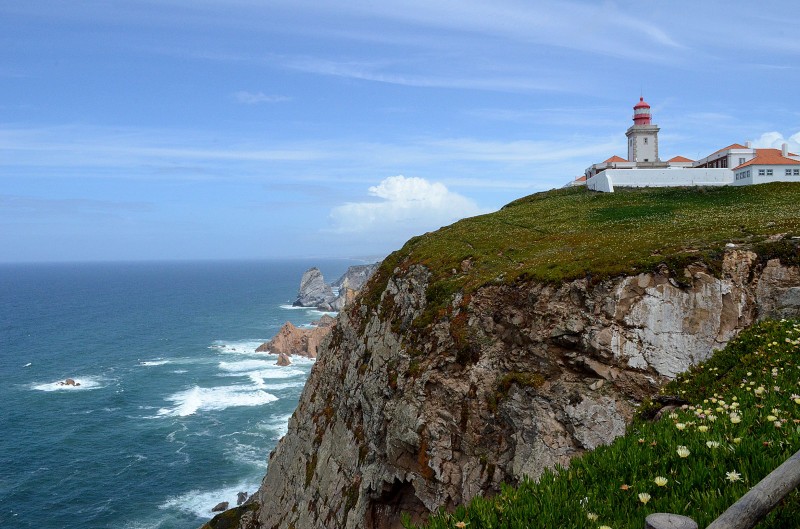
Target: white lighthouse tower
[642,135]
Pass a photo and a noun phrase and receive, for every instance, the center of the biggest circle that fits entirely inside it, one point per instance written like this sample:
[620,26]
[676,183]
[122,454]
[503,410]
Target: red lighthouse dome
[641,113]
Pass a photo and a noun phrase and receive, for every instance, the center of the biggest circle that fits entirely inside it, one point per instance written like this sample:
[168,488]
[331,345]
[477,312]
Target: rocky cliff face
[351,283]
[411,407]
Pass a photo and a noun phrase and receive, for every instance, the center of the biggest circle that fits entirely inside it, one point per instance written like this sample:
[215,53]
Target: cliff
[509,343]
[351,283]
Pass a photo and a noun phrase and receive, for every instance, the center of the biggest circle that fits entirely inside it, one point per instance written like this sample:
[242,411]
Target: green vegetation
[742,422]
[571,233]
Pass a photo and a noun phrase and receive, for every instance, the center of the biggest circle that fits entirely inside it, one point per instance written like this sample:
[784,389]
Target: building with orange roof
[768,165]
[735,164]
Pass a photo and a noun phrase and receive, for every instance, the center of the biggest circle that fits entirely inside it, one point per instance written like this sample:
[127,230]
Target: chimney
[749,144]
[785,150]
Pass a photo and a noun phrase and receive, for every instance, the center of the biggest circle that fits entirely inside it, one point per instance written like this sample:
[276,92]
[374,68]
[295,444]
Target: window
[797,172]
[748,173]
[788,172]
[645,141]
[769,172]
[741,161]
[760,172]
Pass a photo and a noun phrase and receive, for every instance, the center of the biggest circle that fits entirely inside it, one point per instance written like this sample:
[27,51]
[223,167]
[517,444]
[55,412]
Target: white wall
[675,177]
[778,175]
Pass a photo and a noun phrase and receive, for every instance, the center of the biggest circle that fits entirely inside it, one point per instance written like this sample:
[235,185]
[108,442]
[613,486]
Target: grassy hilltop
[743,419]
[570,233]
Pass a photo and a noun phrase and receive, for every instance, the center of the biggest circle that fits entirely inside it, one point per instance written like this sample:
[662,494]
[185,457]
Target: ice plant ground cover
[742,422]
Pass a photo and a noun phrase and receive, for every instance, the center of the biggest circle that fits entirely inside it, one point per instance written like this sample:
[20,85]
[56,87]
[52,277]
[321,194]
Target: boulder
[70,382]
[283,360]
[221,506]
[241,498]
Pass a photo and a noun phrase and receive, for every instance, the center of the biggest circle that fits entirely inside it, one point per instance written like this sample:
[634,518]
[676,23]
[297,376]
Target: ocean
[175,411]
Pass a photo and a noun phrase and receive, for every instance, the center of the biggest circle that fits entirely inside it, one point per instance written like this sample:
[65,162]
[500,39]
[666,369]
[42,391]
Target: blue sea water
[175,411]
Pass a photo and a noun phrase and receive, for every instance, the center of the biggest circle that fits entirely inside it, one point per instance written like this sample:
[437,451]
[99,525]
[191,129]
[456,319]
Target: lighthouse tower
[642,135]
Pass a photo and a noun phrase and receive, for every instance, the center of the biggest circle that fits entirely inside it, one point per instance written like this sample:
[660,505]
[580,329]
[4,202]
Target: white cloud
[254,98]
[775,140]
[405,207]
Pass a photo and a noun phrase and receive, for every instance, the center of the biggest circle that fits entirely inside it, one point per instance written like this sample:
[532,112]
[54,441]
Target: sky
[244,129]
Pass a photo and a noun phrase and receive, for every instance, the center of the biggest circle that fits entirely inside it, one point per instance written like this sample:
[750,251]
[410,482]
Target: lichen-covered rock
[411,407]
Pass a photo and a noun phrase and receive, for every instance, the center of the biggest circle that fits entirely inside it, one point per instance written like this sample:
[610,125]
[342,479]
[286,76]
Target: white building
[732,165]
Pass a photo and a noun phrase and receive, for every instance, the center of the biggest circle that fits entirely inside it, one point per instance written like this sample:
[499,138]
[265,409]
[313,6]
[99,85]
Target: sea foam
[242,347]
[200,502]
[195,399]
[245,365]
[150,363]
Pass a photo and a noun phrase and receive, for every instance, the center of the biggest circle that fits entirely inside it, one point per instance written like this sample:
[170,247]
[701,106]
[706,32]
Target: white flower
[591,516]
[733,476]
[712,444]
[661,481]
[683,451]
[680,426]
[644,497]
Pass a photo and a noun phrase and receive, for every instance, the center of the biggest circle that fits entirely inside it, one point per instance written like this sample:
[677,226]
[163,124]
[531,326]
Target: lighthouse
[642,135]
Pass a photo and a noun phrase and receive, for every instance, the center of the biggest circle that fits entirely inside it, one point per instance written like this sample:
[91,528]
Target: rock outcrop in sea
[293,340]
[421,400]
[314,292]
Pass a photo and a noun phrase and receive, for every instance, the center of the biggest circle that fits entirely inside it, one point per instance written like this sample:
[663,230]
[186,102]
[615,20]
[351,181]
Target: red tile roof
[581,178]
[615,158]
[679,159]
[769,157]
[729,147]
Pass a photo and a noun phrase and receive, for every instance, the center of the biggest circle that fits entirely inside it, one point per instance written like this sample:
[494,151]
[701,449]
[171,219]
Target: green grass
[756,377]
[572,233]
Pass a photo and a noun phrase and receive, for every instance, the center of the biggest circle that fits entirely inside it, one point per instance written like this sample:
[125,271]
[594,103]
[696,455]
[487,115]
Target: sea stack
[314,292]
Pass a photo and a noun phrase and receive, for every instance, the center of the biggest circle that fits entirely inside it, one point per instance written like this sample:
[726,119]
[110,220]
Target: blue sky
[211,129]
